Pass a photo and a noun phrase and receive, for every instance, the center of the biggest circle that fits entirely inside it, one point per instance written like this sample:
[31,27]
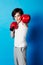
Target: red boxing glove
[13,26]
[25,18]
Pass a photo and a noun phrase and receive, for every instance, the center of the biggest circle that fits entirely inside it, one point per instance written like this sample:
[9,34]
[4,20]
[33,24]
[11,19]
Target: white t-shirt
[20,35]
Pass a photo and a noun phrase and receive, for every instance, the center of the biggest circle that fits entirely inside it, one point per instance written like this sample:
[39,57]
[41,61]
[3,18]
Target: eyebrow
[17,15]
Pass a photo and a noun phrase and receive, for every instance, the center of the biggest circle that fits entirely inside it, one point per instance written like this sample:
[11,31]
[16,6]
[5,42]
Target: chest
[22,29]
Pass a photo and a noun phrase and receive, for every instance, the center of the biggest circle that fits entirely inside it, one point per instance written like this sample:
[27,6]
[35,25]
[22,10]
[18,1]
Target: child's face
[17,17]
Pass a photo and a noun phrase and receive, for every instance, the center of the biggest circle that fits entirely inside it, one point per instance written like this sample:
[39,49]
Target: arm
[12,34]
[13,26]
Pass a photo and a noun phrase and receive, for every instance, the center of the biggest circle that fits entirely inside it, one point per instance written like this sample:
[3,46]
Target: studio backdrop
[34,53]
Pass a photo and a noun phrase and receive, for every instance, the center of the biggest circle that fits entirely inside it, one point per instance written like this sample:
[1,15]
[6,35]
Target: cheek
[19,18]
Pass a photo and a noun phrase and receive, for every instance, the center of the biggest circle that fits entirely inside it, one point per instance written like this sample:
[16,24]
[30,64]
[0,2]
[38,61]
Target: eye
[18,15]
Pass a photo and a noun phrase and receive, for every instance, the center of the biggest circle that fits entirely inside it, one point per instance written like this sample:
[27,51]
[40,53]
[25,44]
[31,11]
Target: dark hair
[17,10]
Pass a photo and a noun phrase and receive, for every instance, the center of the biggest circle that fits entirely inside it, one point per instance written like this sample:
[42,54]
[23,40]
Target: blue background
[34,38]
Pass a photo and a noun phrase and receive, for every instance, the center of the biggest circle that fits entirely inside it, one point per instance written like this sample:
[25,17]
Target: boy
[19,30]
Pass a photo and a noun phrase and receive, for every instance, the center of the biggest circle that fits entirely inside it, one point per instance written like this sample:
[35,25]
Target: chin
[18,21]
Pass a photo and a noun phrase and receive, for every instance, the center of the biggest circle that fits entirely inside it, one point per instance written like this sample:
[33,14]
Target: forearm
[12,34]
